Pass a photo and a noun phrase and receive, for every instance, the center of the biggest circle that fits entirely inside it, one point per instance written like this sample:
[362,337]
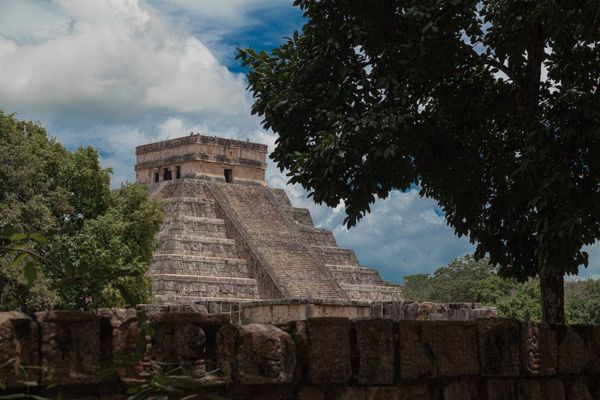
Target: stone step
[186,225]
[281,196]
[317,236]
[300,215]
[336,255]
[278,241]
[373,292]
[182,188]
[174,299]
[204,286]
[198,245]
[351,274]
[199,266]
[190,206]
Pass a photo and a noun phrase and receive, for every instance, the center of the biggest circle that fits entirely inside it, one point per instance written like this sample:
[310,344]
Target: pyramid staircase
[197,260]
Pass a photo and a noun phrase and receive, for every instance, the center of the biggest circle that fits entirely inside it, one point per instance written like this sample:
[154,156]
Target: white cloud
[117,60]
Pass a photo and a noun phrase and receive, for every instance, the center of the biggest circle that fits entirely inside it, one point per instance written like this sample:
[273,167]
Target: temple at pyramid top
[200,156]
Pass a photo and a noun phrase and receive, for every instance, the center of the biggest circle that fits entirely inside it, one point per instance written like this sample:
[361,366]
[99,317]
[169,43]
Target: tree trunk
[553,295]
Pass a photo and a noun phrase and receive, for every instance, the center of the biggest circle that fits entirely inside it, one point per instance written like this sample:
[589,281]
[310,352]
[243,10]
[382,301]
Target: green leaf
[18,260]
[39,238]
[15,237]
[30,272]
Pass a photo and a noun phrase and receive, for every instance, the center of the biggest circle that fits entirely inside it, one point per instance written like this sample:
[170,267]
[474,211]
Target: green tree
[417,287]
[523,303]
[582,300]
[101,241]
[459,281]
[377,96]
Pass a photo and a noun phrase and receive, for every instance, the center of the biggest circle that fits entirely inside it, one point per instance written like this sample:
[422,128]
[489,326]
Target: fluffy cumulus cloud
[115,59]
[119,73]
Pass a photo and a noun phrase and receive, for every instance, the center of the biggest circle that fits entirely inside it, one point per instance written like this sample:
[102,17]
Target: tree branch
[498,65]
[30,252]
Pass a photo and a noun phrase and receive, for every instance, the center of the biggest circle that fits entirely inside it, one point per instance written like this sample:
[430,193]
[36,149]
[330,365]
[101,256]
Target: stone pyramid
[228,237]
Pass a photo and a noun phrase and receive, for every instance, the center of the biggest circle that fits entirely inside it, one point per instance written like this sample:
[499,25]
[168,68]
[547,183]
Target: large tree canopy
[492,107]
[101,241]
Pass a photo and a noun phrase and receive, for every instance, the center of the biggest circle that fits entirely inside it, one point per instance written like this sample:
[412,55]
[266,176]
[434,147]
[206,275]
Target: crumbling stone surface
[365,393]
[329,350]
[186,339]
[375,343]
[538,350]
[120,335]
[498,342]
[70,347]
[462,390]
[578,391]
[19,338]
[501,389]
[265,355]
[553,389]
[423,349]
[574,354]
[594,344]
[529,389]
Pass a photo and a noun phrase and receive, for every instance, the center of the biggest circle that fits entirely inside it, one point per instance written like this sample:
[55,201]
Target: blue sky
[119,73]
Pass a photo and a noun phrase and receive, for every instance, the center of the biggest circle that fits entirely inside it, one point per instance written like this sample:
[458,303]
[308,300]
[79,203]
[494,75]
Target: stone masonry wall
[319,358]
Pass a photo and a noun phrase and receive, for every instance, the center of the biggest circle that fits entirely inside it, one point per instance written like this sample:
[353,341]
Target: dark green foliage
[583,301]
[100,240]
[377,96]
[522,302]
[457,282]
[468,280]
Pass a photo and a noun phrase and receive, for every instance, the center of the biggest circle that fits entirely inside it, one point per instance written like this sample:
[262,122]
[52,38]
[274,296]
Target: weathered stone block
[260,392]
[266,355]
[462,390]
[483,312]
[437,349]
[298,332]
[553,389]
[501,389]
[578,391]
[19,338]
[368,393]
[70,347]
[119,334]
[412,392]
[498,342]
[530,389]
[595,350]
[256,354]
[311,393]
[329,350]
[573,353]
[538,353]
[375,351]
[416,392]
[183,338]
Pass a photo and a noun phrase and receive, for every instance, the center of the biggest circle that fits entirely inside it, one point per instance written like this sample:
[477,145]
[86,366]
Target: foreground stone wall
[318,358]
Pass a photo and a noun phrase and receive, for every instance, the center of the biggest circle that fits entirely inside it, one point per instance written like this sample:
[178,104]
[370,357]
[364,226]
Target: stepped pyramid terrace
[228,237]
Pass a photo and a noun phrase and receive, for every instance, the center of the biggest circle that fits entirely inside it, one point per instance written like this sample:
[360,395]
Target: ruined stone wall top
[197,138]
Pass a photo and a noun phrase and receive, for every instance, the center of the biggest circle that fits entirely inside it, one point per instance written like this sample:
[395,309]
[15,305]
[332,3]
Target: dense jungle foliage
[469,280]
[99,241]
